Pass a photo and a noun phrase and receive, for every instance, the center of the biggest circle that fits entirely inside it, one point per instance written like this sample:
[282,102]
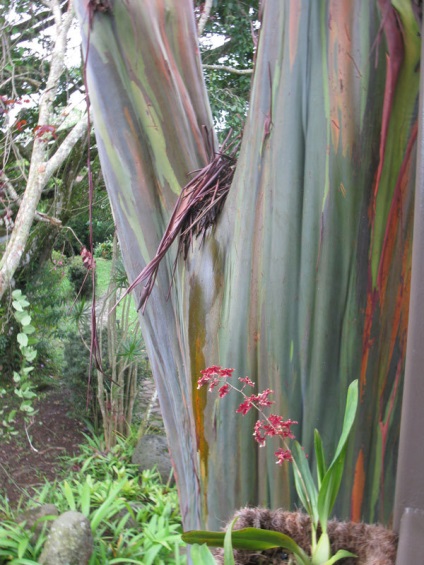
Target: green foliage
[50,293]
[102,220]
[134,517]
[104,249]
[75,371]
[80,278]
[318,502]
[201,554]
[103,273]
[23,387]
[117,386]
[232,22]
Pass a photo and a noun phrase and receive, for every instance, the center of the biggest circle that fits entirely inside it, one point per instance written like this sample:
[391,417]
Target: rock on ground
[69,541]
[34,518]
[152,450]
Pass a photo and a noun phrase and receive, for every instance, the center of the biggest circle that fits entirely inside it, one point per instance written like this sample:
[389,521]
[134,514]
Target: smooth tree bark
[304,282]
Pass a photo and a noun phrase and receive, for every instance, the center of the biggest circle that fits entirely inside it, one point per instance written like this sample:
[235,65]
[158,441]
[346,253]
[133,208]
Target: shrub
[75,371]
[104,249]
[80,278]
[50,294]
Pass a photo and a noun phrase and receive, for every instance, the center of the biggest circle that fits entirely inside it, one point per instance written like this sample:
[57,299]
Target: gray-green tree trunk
[304,283]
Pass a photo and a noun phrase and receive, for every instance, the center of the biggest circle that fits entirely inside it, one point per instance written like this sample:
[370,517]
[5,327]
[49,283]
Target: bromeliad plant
[134,517]
[317,498]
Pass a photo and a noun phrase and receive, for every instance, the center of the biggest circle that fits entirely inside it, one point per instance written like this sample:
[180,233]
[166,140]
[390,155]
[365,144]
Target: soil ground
[53,434]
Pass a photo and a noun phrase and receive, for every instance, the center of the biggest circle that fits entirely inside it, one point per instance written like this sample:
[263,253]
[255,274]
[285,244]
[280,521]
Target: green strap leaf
[228,547]
[333,477]
[305,486]
[320,457]
[349,418]
[253,539]
[341,554]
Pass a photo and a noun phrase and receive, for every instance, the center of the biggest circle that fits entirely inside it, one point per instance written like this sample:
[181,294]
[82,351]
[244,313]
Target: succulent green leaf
[17,306]
[349,418]
[25,320]
[22,339]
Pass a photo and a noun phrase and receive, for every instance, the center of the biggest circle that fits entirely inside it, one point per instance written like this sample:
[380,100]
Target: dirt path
[53,434]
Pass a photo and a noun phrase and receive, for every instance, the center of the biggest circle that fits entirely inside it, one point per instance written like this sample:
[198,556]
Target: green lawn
[103,268]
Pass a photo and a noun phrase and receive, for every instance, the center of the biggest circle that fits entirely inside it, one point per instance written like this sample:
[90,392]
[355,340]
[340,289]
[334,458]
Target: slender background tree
[37,142]
[303,284]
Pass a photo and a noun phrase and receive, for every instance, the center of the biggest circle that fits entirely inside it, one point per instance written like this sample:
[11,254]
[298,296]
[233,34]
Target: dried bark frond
[196,210]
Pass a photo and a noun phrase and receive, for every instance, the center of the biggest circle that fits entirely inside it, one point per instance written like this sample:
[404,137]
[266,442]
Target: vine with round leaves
[23,387]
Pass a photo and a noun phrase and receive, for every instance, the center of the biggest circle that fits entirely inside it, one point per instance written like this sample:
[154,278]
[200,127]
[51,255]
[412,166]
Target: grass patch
[103,269]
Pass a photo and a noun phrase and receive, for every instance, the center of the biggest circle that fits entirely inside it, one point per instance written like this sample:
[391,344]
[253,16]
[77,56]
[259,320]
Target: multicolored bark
[303,285]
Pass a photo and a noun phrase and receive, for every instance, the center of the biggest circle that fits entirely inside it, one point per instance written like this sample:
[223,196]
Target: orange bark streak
[394,219]
[342,74]
[358,488]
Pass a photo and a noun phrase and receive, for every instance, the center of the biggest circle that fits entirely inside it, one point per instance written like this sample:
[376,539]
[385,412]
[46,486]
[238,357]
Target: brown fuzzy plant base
[373,544]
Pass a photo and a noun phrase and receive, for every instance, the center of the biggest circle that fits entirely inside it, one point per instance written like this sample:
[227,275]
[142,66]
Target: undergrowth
[134,517]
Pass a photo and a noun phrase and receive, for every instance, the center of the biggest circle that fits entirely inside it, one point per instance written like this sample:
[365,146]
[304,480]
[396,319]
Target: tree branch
[39,166]
[229,69]
[207,6]
[62,153]
[16,199]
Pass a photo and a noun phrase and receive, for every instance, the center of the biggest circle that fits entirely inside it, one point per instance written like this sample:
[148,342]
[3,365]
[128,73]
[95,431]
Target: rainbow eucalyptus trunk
[303,284]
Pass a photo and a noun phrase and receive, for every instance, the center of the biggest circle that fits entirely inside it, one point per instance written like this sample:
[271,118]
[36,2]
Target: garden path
[53,434]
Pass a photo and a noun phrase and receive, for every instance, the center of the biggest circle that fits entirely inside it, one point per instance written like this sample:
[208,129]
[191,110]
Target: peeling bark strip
[196,210]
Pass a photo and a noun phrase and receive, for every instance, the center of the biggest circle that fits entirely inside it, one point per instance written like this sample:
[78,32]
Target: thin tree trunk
[41,168]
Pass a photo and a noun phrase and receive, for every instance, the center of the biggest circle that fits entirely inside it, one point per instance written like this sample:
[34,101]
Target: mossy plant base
[373,544]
